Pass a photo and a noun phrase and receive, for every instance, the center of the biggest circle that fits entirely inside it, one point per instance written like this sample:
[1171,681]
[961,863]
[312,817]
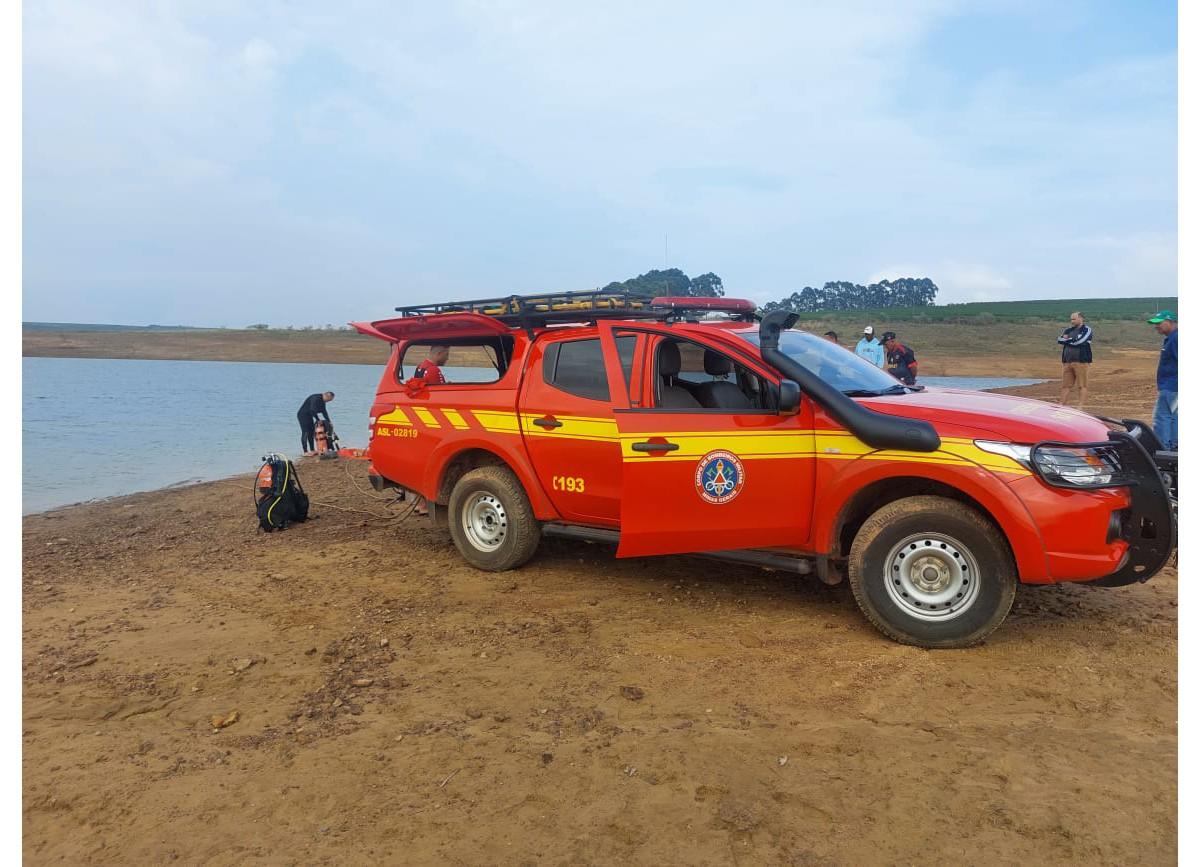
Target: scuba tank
[326,440]
[264,482]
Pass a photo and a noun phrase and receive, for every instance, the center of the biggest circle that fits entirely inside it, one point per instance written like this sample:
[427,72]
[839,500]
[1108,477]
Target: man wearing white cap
[870,348]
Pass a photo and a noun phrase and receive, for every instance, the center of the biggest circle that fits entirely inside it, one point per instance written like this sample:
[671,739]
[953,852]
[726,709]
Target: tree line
[834,295]
[842,295]
[670,283]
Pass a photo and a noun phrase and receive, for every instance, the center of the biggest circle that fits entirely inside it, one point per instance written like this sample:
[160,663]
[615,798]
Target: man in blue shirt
[1166,418]
[870,348]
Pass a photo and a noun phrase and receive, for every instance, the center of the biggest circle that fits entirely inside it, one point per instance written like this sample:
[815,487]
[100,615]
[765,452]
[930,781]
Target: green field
[987,312]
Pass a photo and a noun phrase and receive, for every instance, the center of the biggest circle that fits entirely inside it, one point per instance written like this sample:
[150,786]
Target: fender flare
[997,500]
[512,456]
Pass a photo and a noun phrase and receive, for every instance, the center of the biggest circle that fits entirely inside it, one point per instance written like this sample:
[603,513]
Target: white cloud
[204,155]
[957,281]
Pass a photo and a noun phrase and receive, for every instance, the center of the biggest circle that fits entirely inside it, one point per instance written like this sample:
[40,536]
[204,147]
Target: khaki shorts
[1075,373]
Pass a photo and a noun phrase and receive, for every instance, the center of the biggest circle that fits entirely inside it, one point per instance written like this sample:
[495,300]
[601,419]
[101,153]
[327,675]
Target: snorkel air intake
[876,429]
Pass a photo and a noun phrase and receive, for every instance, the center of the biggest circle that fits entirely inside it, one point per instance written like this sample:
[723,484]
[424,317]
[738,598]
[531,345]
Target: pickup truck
[690,426]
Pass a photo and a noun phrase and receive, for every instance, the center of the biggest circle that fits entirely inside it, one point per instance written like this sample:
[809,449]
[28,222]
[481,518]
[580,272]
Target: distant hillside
[90,326]
[984,312]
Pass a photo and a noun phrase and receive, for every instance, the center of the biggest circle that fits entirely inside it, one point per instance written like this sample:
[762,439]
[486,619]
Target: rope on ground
[368,494]
[385,500]
[348,509]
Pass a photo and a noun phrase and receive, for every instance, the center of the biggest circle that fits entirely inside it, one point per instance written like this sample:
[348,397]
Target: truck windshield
[835,364]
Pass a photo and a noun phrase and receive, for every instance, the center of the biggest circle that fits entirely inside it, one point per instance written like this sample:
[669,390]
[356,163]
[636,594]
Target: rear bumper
[377,481]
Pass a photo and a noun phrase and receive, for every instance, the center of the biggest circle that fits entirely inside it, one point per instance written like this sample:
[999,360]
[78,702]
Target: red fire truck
[687,425]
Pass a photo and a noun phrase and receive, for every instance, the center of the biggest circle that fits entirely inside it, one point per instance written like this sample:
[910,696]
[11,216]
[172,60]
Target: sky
[221,163]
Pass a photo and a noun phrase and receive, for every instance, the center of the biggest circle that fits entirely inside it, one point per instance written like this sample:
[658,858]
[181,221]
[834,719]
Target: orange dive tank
[321,438]
[265,483]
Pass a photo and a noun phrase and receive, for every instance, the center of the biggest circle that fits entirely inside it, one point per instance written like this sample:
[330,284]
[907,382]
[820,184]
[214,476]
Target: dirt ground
[395,706]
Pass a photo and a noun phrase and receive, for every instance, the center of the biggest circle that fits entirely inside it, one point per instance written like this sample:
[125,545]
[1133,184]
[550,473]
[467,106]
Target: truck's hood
[1016,419]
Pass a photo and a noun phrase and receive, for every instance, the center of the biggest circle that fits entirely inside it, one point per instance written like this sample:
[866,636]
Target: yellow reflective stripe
[573,427]
[495,421]
[747,443]
[824,445]
[426,416]
[694,445]
[452,415]
[396,416]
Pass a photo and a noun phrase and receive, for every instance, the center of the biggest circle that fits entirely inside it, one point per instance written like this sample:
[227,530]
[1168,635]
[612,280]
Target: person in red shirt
[430,369]
[429,372]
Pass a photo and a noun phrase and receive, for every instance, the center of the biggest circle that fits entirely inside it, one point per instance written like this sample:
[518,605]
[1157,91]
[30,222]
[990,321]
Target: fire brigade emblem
[719,477]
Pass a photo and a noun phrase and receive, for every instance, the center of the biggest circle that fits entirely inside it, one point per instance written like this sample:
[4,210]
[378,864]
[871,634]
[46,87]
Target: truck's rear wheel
[932,572]
[491,521]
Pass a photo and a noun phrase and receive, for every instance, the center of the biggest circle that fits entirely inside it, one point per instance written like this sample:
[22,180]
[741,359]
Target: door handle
[655,447]
[548,422]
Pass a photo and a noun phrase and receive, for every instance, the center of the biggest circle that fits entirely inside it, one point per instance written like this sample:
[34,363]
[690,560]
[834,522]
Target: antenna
[666,259]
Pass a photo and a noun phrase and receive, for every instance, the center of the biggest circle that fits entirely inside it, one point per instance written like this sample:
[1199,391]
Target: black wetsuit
[313,406]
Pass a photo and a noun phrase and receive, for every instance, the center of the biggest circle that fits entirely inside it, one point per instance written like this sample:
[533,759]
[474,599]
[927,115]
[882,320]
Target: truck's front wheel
[933,572]
[491,521]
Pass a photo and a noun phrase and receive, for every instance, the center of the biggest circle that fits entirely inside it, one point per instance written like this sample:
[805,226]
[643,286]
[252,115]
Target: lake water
[100,427]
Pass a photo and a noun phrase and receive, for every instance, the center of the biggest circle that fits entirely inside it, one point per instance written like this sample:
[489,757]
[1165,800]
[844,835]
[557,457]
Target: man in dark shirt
[902,361]
[1076,342]
[313,406]
[1166,410]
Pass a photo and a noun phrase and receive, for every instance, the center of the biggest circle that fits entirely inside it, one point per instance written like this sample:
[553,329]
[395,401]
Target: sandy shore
[314,347]
[394,705]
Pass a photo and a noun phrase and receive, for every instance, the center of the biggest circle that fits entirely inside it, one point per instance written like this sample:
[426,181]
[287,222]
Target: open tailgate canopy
[441,326]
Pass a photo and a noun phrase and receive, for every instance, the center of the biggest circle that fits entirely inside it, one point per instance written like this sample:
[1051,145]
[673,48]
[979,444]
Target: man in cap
[1166,418]
[902,361]
[1076,342]
[870,348]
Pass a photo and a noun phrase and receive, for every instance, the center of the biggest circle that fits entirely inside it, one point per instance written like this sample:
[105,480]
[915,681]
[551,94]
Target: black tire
[957,585]
[500,532]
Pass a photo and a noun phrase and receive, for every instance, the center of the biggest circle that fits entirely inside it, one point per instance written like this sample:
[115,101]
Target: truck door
[566,412]
[707,461]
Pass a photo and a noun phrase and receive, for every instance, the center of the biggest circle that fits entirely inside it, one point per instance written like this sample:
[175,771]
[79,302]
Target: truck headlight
[1076,466]
[1062,465]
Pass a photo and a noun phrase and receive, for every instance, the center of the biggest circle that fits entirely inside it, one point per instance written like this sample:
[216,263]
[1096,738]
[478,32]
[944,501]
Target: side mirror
[789,397]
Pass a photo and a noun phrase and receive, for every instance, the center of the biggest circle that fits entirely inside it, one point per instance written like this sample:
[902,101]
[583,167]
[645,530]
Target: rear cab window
[471,361]
[577,366]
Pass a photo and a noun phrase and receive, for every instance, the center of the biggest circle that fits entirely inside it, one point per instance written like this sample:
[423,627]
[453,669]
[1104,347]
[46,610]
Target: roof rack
[585,306]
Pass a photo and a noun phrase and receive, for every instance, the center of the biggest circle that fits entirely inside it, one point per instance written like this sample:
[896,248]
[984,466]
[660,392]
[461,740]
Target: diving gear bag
[278,497]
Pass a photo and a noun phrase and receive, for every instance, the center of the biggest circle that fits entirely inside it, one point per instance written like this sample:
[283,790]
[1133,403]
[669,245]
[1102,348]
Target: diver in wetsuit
[310,410]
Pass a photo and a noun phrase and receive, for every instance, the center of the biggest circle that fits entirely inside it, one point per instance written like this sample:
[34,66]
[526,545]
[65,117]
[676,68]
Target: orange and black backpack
[278,497]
